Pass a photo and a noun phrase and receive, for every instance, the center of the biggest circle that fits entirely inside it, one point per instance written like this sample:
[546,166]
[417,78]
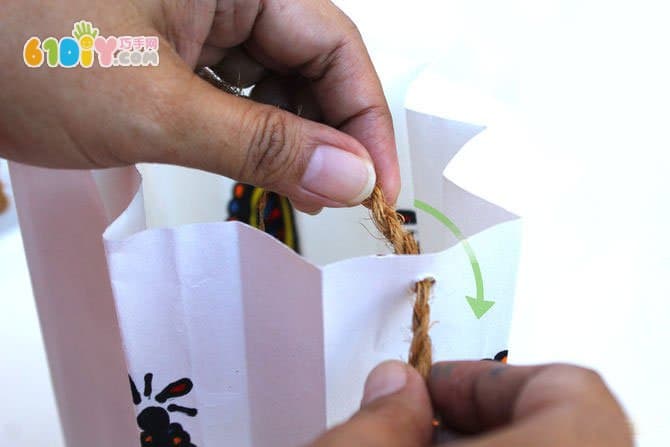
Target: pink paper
[61,219]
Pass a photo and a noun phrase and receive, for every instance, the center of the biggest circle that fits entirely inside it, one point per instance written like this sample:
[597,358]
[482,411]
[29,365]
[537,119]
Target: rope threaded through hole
[390,225]
[421,348]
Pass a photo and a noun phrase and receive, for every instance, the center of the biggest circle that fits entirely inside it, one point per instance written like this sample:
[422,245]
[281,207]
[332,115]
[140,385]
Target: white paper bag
[229,337]
[274,348]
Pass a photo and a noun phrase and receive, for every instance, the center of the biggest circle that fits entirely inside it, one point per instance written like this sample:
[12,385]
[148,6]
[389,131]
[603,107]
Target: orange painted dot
[176,441]
[239,191]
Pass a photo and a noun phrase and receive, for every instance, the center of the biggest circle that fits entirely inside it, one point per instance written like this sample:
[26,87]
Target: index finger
[321,43]
[532,403]
[472,397]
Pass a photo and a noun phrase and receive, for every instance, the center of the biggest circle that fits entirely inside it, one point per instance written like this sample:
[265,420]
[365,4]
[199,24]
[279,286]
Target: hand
[304,53]
[489,404]
[395,412]
[540,406]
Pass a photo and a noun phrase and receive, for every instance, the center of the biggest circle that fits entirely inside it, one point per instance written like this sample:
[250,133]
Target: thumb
[395,412]
[313,164]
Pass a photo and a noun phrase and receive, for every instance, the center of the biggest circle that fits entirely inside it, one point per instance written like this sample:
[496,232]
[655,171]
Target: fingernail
[387,378]
[339,175]
[314,212]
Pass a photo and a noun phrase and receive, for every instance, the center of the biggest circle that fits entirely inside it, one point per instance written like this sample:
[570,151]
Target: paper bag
[274,349]
[229,337]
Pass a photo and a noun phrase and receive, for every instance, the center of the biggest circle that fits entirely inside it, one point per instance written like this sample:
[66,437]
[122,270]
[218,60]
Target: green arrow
[479,305]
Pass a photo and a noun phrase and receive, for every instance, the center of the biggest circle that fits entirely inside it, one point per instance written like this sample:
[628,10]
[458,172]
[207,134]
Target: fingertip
[369,186]
[385,379]
[307,208]
[391,185]
[314,212]
[338,175]
[393,380]
[395,412]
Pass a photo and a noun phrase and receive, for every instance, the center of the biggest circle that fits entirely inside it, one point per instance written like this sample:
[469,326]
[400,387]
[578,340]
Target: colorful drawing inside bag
[278,213]
[4,201]
[154,421]
[409,220]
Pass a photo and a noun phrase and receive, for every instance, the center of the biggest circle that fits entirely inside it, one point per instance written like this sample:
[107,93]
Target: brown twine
[390,225]
[421,348]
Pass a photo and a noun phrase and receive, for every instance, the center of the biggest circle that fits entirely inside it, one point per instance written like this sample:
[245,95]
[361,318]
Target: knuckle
[273,148]
[380,112]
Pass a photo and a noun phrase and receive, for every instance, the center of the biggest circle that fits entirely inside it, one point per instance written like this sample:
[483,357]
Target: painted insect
[277,216]
[500,357]
[154,421]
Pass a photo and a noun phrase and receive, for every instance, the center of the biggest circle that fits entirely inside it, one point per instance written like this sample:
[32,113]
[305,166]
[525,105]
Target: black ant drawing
[154,421]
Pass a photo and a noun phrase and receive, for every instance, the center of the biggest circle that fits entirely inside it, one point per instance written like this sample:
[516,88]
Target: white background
[590,78]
